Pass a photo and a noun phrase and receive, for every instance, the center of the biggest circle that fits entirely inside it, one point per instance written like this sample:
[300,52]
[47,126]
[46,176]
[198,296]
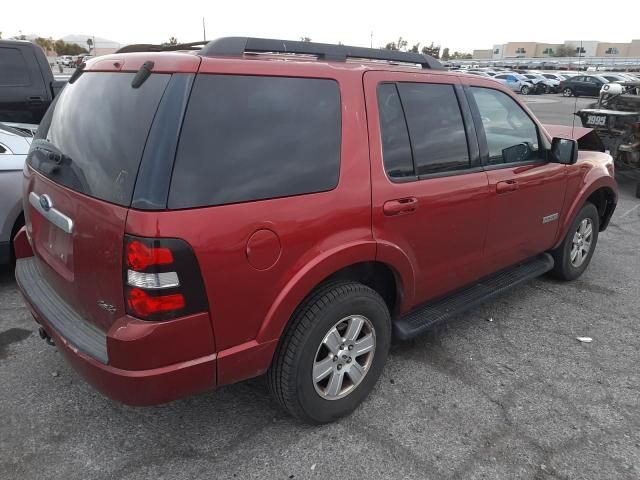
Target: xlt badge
[550,218]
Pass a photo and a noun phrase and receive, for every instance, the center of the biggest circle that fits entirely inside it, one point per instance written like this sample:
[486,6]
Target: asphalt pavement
[504,392]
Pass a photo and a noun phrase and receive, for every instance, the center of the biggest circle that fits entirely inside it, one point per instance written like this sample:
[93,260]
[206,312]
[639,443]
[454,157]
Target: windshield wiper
[48,157]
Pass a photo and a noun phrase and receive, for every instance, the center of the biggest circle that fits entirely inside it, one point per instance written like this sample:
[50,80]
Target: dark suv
[256,206]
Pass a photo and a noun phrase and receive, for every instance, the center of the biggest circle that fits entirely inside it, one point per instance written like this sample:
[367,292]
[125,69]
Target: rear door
[430,194]
[527,191]
[79,184]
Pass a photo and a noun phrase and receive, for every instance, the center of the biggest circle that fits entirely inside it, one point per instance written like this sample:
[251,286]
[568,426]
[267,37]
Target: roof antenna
[575,103]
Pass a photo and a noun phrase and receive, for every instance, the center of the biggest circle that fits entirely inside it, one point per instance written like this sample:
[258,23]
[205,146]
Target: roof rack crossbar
[149,47]
[237,46]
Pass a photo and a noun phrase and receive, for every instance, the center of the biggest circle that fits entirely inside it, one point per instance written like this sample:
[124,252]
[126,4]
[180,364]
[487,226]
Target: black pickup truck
[27,86]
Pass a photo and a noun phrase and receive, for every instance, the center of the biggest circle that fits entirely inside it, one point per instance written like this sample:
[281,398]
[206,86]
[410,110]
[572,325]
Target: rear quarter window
[249,138]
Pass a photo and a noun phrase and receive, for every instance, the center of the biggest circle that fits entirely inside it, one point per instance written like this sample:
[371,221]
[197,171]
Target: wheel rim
[525,90]
[567,92]
[344,357]
[582,241]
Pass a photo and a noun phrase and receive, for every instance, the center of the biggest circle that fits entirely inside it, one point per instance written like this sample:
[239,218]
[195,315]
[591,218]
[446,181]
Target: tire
[525,90]
[567,92]
[567,266]
[303,347]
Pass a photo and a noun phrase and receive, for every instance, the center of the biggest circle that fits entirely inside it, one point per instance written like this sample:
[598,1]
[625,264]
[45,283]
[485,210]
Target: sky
[459,25]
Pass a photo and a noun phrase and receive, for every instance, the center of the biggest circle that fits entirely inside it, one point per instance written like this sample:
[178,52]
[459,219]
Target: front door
[527,191]
[429,193]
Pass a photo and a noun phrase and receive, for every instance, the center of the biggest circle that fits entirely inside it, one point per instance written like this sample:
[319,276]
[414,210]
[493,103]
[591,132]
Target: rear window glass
[255,137]
[100,124]
[13,68]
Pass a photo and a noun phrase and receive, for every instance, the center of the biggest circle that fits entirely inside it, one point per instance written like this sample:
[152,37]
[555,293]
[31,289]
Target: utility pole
[204,31]
[371,42]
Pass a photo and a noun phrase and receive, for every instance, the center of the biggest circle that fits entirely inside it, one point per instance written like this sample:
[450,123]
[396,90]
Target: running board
[438,311]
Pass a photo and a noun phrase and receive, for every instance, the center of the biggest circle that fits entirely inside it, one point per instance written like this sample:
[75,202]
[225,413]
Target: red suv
[194,219]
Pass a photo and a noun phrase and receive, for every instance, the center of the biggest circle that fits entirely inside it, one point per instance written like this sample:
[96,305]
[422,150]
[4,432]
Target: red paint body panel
[138,387]
[461,229]
[516,230]
[86,265]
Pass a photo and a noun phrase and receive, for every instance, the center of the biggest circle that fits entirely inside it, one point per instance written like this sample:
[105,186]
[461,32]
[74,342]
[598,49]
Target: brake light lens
[162,279]
[141,257]
[144,305]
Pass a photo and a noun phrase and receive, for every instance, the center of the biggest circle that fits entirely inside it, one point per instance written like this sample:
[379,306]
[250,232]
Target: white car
[516,82]
[551,85]
[15,140]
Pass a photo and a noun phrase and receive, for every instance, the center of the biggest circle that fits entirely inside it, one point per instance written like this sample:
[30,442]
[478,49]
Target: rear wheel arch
[379,276]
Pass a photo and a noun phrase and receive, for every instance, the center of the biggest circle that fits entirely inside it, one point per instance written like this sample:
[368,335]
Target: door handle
[506,186]
[400,206]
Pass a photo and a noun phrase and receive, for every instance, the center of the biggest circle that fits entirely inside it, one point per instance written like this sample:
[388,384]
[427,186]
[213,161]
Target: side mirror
[564,151]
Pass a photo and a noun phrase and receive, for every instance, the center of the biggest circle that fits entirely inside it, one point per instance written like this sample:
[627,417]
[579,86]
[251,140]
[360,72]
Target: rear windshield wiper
[46,157]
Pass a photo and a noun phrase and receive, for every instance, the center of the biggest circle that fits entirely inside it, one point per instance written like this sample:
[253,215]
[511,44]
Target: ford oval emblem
[46,203]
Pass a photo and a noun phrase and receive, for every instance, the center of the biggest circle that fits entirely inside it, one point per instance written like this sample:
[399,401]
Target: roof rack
[149,47]
[237,46]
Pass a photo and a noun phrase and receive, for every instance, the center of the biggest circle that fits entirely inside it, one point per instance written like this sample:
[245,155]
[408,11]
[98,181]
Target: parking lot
[504,392]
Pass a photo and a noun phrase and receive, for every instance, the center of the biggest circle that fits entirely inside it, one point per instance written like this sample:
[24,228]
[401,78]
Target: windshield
[93,136]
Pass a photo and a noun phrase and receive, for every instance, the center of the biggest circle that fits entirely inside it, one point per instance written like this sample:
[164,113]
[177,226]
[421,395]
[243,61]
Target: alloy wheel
[581,243]
[344,357]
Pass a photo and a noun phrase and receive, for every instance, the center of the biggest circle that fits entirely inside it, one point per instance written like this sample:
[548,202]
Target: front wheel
[332,352]
[525,90]
[567,92]
[574,253]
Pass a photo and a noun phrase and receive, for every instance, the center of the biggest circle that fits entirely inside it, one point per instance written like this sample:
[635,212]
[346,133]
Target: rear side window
[436,129]
[100,125]
[13,68]
[396,148]
[249,138]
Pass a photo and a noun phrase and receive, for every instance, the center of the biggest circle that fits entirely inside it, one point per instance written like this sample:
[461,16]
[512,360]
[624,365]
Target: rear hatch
[79,183]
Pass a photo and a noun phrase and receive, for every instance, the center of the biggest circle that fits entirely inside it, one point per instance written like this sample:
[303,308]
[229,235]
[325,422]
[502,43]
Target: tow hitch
[45,336]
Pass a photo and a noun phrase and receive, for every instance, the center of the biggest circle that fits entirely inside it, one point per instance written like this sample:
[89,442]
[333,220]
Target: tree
[432,50]
[400,45]
[415,48]
[565,51]
[0,35]
[445,54]
[63,48]
[90,43]
[305,39]
[461,56]
[45,43]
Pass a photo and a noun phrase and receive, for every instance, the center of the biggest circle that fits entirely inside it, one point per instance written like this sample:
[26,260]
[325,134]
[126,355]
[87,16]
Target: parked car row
[568,83]
[73,60]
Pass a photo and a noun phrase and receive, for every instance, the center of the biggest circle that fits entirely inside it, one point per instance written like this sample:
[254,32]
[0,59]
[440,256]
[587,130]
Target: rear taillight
[162,279]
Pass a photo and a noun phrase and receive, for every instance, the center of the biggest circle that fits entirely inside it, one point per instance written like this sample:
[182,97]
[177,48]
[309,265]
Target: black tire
[290,376]
[525,90]
[563,268]
[567,92]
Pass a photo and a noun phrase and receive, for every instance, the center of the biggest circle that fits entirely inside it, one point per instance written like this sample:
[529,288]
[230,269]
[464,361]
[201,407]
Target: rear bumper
[129,362]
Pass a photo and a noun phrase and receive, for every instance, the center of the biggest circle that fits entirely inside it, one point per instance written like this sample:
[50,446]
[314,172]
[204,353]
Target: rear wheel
[573,255]
[525,90]
[332,353]
[567,92]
